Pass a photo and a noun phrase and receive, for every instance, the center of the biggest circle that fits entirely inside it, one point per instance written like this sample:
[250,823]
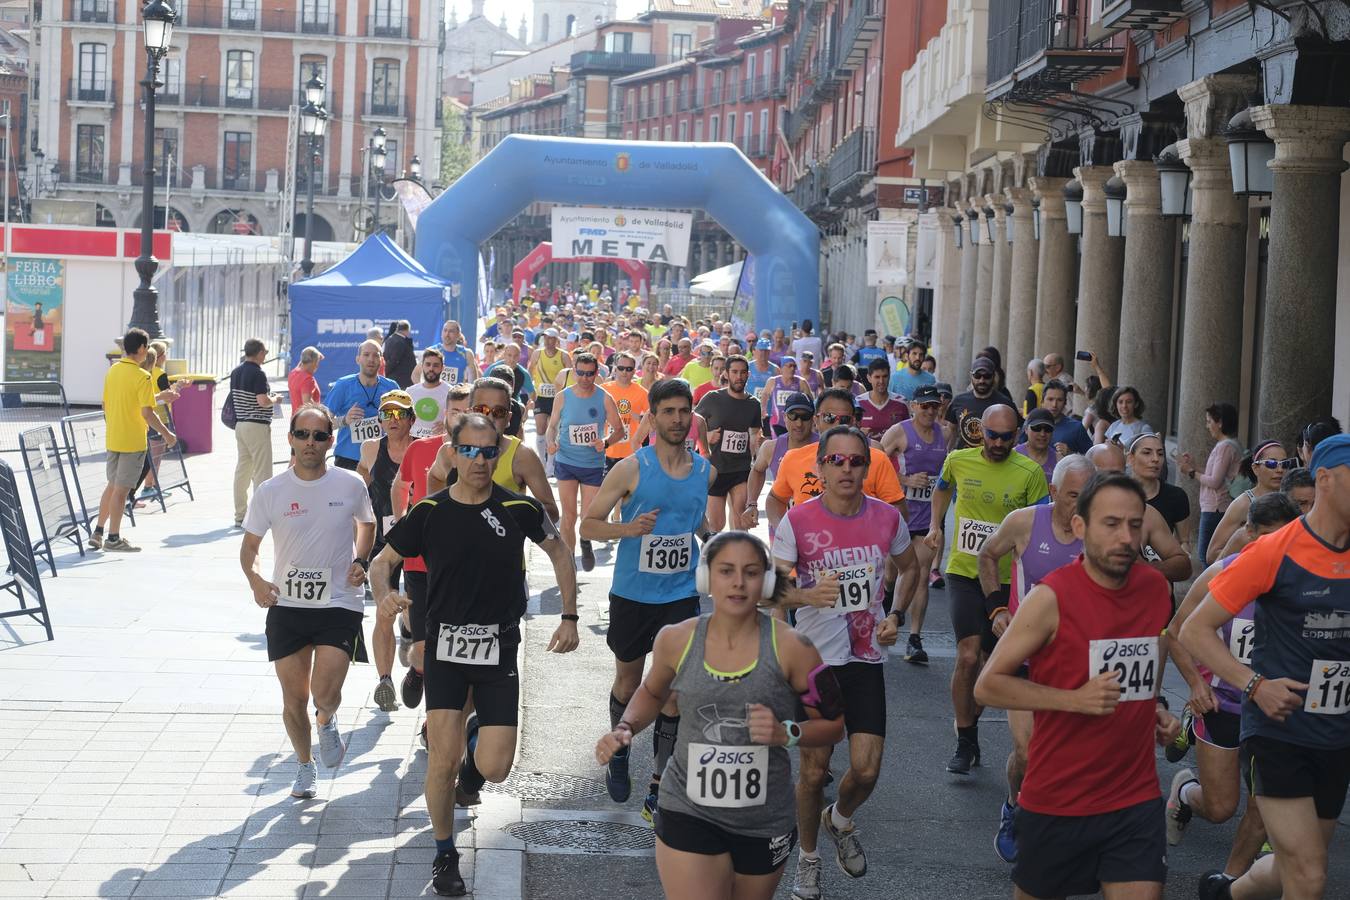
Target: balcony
[807,27]
[1036,51]
[235,96]
[809,193]
[1147,15]
[860,28]
[387,106]
[852,165]
[947,80]
[86,90]
[250,17]
[602,63]
[97,12]
[383,26]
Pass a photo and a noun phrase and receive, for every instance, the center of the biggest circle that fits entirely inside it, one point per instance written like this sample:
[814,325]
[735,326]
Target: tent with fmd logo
[374,286]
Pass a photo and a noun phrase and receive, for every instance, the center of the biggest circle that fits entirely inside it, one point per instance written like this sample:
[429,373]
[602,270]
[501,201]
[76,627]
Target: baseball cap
[798,400]
[1040,415]
[926,393]
[551,332]
[763,344]
[707,347]
[943,388]
[981,364]
[401,399]
[1331,452]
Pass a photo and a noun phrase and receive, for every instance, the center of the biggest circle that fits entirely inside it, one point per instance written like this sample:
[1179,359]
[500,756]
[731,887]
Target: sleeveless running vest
[659,567]
[549,367]
[381,481]
[1043,555]
[716,773]
[1239,636]
[922,456]
[780,449]
[501,473]
[583,420]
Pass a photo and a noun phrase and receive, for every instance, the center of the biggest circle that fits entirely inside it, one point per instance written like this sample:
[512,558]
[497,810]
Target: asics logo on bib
[493,521]
[725,757]
[1125,652]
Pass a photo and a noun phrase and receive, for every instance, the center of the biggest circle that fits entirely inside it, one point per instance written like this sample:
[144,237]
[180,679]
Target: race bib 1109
[366,429]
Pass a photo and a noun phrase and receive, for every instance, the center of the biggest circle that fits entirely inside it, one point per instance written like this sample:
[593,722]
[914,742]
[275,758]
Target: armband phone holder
[823,693]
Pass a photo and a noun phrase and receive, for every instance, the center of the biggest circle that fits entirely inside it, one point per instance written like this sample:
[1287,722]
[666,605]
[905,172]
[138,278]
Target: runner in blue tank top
[799,415]
[663,489]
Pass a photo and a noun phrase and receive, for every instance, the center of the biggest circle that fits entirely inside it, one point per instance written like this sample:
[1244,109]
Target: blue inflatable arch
[716,178]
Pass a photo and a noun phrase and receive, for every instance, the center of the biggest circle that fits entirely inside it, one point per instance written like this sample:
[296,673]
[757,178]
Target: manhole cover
[548,786]
[591,837]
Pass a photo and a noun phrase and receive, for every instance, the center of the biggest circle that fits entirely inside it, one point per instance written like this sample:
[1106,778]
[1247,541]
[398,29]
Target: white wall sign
[886,253]
[649,235]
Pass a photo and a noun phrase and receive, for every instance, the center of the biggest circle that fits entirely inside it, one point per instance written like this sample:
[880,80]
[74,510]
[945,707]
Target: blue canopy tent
[377,284]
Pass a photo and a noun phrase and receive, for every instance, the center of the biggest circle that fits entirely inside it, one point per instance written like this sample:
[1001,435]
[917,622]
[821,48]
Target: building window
[543,29]
[166,155]
[698,130]
[712,128]
[243,13]
[749,75]
[391,156]
[645,109]
[89,154]
[235,173]
[667,133]
[239,78]
[315,16]
[642,135]
[629,108]
[681,44]
[571,29]
[684,130]
[384,85]
[388,18]
[763,131]
[730,137]
[749,130]
[311,67]
[171,69]
[93,83]
[619,42]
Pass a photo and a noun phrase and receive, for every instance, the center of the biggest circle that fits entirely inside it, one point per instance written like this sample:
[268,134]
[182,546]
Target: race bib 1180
[1134,660]
[582,435]
[473,645]
[731,777]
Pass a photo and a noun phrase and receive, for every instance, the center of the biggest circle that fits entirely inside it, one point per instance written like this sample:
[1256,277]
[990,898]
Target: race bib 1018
[731,777]
[1134,660]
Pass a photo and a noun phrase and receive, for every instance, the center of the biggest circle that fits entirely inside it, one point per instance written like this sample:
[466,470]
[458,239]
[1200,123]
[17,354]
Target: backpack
[228,416]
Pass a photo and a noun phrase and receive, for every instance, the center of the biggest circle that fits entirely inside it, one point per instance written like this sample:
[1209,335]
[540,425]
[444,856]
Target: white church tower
[557,19]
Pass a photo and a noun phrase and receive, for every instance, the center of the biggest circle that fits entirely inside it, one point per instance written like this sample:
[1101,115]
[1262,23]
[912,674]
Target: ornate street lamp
[1073,207]
[989,223]
[157,20]
[415,168]
[1036,218]
[1008,223]
[959,229]
[1249,155]
[973,223]
[313,124]
[378,159]
[1115,206]
[1174,178]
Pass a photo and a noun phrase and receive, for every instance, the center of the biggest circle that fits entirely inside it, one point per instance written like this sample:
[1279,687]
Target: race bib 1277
[473,645]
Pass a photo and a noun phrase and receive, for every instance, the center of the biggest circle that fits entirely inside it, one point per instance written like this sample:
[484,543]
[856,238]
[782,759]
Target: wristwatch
[794,732]
[363,563]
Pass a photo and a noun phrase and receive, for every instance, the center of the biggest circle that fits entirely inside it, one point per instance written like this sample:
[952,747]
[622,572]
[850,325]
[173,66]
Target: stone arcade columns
[984,288]
[1300,321]
[1099,278]
[965,334]
[1056,285]
[1147,290]
[1211,361]
[946,295]
[1021,341]
[998,292]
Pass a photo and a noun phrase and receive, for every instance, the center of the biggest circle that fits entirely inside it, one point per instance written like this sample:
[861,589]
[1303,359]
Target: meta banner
[652,236]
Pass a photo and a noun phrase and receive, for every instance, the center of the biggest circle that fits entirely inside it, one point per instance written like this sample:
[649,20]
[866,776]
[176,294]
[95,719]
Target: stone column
[965,335]
[1099,278]
[946,295]
[998,291]
[1146,290]
[1211,358]
[1300,321]
[984,292]
[1056,282]
[1021,340]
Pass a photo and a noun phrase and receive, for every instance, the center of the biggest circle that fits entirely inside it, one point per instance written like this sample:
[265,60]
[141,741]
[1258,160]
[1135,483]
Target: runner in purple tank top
[917,448]
[1211,792]
[1040,540]
[798,415]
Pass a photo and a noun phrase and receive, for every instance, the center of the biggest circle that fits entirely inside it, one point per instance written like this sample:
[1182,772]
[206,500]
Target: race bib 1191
[855,588]
[732,777]
[1134,660]
[472,645]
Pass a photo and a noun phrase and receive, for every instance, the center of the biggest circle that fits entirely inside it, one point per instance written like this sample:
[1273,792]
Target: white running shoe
[1178,813]
[331,747]
[303,789]
[807,884]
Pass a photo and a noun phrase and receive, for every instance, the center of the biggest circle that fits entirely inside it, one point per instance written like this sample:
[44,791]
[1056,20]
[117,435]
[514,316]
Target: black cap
[798,400]
[1040,415]
[944,388]
[983,364]
[926,393]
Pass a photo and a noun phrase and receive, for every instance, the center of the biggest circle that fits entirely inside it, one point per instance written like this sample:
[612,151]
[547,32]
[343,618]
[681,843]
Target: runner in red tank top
[1090,811]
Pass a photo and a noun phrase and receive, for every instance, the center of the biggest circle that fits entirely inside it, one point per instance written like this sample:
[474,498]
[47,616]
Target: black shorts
[725,481]
[343,462]
[863,686]
[917,533]
[416,583]
[291,629]
[1060,856]
[1284,770]
[1219,729]
[633,626]
[496,689]
[612,461]
[965,603]
[749,855]
[543,406]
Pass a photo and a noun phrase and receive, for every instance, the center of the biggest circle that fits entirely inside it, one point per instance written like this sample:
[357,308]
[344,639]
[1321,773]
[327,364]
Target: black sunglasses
[304,434]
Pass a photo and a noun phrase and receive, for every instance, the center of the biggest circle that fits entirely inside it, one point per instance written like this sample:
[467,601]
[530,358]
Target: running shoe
[935,580]
[617,780]
[807,884]
[412,689]
[1005,842]
[403,630]
[1178,813]
[384,694]
[650,803]
[848,851]
[422,736]
[404,652]
[96,541]
[967,757]
[303,789]
[465,799]
[331,748]
[1216,885]
[445,878]
[1176,750]
[120,545]
[914,652]
[587,556]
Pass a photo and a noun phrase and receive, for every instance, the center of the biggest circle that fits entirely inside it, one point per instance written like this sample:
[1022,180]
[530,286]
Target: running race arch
[522,276]
[716,178]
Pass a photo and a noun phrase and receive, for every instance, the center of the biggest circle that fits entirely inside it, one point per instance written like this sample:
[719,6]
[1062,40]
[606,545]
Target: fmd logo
[344,326]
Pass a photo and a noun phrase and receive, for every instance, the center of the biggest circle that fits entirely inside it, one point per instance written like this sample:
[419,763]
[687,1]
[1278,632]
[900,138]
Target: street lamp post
[157,20]
[313,123]
[378,159]
[415,167]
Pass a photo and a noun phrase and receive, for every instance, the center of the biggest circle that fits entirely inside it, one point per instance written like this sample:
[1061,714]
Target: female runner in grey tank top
[726,820]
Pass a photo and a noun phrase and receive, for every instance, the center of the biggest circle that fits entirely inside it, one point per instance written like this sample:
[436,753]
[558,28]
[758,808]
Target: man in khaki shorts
[128,406]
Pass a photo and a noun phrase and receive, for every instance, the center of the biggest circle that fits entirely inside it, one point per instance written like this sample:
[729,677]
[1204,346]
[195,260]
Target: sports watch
[794,732]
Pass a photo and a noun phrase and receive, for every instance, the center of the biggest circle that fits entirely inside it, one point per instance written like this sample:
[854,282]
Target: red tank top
[1081,765]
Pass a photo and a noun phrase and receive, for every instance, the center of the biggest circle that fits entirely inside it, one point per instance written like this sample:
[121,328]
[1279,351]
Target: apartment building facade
[223,120]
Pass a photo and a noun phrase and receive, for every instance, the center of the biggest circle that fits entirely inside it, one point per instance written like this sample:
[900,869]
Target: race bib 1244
[1134,660]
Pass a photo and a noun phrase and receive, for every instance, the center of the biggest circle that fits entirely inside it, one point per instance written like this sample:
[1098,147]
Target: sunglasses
[472,452]
[304,434]
[798,415]
[623,368]
[832,419]
[854,460]
[929,404]
[1276,463]
[981,376]
[1041,429]
[386,415]
[495,412]
[581,374]
[999,435]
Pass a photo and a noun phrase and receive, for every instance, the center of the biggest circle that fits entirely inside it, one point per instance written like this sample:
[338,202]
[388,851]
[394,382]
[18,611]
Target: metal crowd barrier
[25,582]
[56,518]
[85,436]
[24,404]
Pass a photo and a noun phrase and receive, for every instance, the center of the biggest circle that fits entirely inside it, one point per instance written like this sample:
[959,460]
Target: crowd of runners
[1062,543]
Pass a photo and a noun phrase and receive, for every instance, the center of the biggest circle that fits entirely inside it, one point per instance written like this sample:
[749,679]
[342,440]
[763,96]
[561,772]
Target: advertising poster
[648,235]
[35,291]
[894,315]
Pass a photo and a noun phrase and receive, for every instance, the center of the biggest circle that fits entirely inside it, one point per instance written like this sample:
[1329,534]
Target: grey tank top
[741,787]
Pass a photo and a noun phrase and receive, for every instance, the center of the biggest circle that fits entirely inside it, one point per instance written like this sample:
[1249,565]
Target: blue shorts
[587,476]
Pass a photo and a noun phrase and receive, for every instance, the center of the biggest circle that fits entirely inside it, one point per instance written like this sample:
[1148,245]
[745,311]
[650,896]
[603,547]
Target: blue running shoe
[617,780]
[1005,842]
[651,802]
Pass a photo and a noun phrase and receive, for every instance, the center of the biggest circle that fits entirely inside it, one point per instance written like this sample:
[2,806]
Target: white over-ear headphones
[703,579]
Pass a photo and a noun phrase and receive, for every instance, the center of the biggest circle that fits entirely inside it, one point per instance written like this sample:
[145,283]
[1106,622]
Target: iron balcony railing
[86,90]
[250,16]
[385,105]
[1020,29]
[384,26]
[597,62]
[853,162]
[203,95]
[102,12]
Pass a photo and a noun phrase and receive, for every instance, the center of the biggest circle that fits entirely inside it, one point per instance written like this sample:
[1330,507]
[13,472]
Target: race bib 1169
[735,441]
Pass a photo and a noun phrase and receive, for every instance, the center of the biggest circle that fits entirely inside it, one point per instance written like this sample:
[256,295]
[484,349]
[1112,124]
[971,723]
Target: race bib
[735,441]
[780,399]
[470,645]
[727,777]
[301,584]
[365,429]
[548,390]
[1328,688]
[663,554]
[386,523]
[921,494]
[1134,660]
[1240,640]
[855,588]
[579,435]
[691,445]
[971,535]
[450,376]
